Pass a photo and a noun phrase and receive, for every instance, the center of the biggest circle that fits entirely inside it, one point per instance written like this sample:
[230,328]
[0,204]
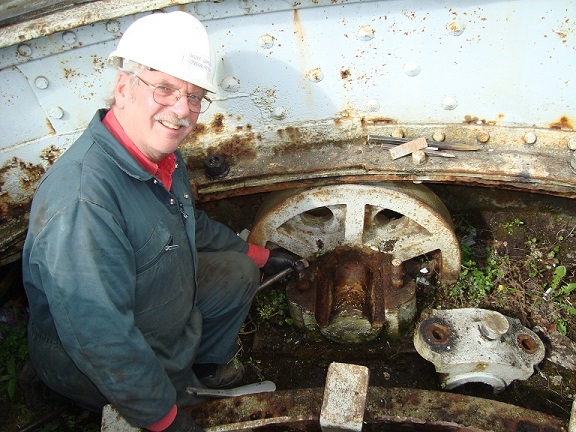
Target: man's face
[155,129]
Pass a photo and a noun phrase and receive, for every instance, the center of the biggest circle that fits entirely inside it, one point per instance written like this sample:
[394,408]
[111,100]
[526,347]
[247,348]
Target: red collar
[163,169]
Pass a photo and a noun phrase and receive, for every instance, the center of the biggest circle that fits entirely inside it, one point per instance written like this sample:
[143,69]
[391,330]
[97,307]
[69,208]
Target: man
[135,294]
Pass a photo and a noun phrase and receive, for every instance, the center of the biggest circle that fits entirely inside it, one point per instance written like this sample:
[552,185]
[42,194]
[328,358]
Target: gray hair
[128,67]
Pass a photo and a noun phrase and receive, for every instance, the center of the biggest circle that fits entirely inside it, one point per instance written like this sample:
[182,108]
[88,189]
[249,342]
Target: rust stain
[217,123]
[562,123]
[345,73]
[375,121]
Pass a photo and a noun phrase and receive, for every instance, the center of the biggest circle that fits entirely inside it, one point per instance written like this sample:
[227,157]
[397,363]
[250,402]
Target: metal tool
[259,387]
[298,267]
[441,145]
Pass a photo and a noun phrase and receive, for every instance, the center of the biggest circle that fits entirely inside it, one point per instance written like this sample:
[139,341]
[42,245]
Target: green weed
[272,305]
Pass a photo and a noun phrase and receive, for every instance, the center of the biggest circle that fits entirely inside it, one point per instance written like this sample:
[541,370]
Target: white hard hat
[175,43]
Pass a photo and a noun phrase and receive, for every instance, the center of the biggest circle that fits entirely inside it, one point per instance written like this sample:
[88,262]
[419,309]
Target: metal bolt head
[365,33]
[412,68]
[449,103]
[24,50]
[41,82]
[398,133]
[494,325]
[439,136]
[266,41]
[69,37]
[483,136]
[529,138]
[315,75]
[231,84]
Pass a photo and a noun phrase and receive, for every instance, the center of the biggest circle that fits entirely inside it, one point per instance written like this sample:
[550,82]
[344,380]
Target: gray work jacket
[109,267]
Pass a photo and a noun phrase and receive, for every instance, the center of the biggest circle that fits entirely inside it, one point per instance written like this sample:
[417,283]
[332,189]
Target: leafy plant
[560,292]
[13,352]
[272,306]
[476,282]
[511,226]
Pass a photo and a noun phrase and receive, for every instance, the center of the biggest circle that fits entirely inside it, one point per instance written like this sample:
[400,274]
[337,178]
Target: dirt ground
[524,236]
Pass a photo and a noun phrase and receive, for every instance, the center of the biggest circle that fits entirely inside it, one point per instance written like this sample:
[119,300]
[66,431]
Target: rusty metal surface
[386,409]
[292,111]
[344,153]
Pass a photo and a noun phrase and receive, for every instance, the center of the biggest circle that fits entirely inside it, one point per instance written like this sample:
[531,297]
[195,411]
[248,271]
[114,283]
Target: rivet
[266,41]
[418,157]
[41,82]
[494,325]
[279,112]
[449,103]
[365,33]
[56,112]
[572,143]
[398,133]
[186,196]
[24,50]
[439,136]
[483,136]
[373,105]
[456,27]
[172,201]
[176,166]
[113,26]
[315,75]
[155,181]
[69,37]
[412,68]
[231,84]
[529,137]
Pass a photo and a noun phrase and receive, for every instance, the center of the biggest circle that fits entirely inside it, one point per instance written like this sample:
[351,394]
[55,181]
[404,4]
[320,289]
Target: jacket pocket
[159,282]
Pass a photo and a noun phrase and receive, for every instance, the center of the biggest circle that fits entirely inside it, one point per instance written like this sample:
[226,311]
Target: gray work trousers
[227,283]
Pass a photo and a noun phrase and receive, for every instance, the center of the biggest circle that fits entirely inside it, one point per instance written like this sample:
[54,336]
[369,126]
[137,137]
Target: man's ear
[122,89]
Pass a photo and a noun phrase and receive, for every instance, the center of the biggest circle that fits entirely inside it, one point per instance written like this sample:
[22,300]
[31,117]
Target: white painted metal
[403,220]
[461,352]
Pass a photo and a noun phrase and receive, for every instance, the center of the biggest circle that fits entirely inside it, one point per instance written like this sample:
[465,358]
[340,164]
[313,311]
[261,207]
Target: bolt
[365,33]
[412,68]
[56,112]
[529,137]
[216,167]
[494,325]
[483,137]
[41,82]
[449,103]
[456,27]
[113,26]
[373,105]
[439,136]
[315,75]
[231,84]
[266,41]
[24,50]
[69,37]
[419,157]
[398,133]
[397,277]
[279,113]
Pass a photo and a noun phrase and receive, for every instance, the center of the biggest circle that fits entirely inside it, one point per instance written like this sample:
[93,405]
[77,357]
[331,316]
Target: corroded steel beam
[427,410]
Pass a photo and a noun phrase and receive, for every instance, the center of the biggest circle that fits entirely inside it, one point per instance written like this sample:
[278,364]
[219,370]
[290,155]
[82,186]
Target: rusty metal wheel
[402,219]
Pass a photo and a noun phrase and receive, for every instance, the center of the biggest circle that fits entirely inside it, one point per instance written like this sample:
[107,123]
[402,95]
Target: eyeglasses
[168,96]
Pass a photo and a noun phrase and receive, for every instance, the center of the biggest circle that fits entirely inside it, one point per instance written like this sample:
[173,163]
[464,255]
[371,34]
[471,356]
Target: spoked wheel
[401,219]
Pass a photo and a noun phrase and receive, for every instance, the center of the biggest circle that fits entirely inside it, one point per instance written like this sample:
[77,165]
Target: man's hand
[279,259]
[183,423]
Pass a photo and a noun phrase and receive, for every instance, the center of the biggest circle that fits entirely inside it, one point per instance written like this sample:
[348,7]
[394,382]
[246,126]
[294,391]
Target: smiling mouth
[170,125]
